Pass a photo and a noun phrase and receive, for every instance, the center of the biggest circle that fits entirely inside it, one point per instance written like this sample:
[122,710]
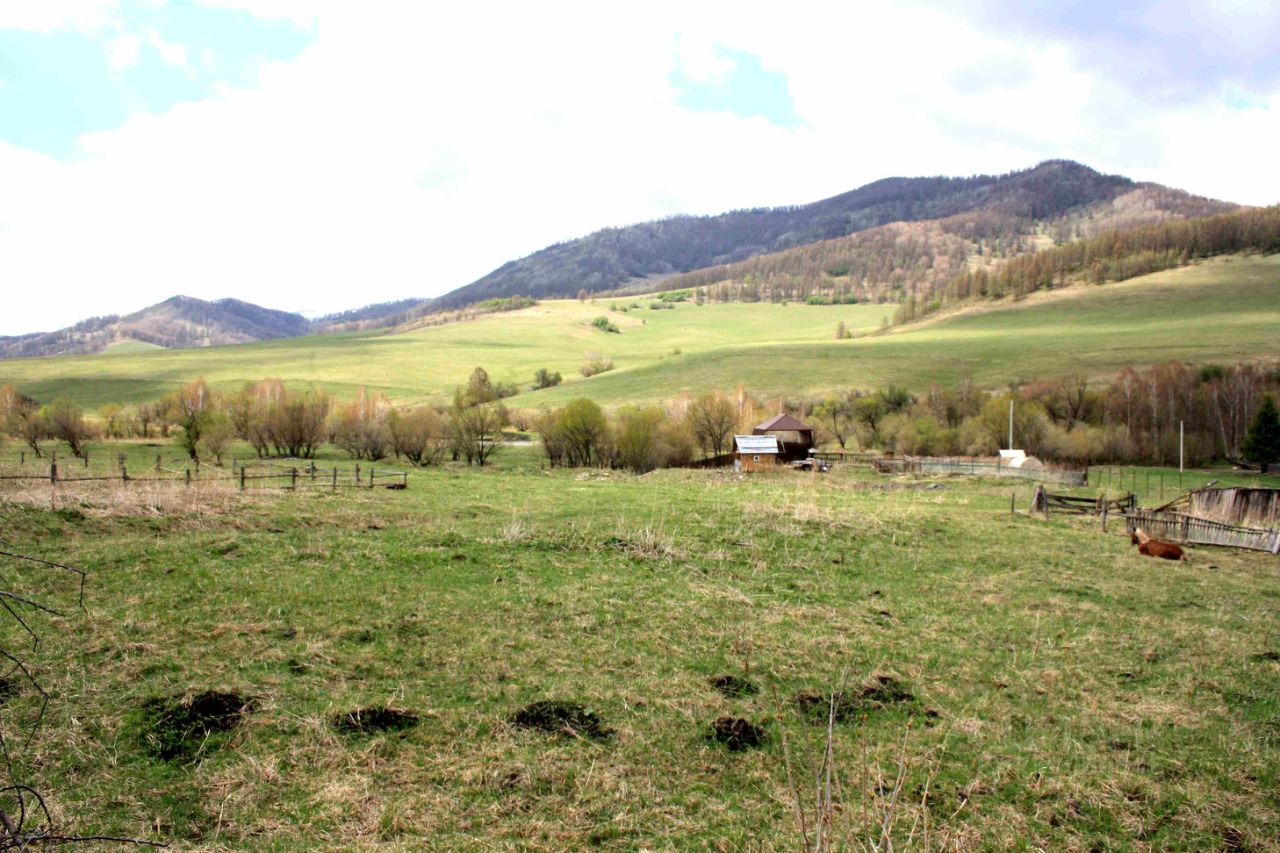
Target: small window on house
[755,458]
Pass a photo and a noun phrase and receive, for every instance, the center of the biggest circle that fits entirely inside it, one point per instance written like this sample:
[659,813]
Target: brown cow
[1153,548]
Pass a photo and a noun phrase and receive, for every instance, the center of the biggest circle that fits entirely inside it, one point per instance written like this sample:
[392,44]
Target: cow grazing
[1153,548]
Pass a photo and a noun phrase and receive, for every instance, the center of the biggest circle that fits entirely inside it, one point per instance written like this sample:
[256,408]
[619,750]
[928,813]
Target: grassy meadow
[1011,682]
[1223,310]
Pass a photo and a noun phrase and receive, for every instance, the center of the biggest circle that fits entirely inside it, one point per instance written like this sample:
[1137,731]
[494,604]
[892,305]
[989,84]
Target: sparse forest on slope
[609,259]
[916,261]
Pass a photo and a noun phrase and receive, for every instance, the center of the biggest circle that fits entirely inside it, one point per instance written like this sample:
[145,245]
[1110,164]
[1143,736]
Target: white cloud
[172,54]
[45,15]
[413,148]
[124,50]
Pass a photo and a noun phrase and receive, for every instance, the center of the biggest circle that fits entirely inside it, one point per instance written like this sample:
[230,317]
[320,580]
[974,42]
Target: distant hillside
[176,323]
[609,259]
[377,316]
[904,260]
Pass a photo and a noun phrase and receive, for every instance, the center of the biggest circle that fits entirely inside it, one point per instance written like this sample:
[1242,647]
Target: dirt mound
[173,727]
[9,687]
[733,686]
[565,718]
[738,734]
[369,720]
[883,691]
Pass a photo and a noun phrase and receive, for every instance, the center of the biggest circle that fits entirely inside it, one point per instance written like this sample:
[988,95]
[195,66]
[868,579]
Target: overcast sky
[315,156]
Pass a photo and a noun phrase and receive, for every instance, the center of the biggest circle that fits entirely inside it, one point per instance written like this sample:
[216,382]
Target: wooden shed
[754,453]
[795,438]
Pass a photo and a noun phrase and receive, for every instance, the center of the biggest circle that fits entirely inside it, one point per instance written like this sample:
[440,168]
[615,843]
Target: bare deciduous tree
[711,418]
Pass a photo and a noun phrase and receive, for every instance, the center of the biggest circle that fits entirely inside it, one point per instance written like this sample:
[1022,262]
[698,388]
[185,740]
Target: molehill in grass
[565,718]
[176,728]
[738,734]
[881,692]
[733,686]
[370,720]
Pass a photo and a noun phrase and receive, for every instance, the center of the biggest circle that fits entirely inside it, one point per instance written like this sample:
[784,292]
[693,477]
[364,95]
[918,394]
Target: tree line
[279,421]
[1147,416]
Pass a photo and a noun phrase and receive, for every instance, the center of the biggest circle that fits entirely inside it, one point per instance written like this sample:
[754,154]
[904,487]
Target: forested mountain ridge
[179,322]
[1009,204]
[905,260]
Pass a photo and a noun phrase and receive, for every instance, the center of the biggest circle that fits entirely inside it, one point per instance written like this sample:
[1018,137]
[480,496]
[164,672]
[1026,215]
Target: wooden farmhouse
[795,438]
[754,453]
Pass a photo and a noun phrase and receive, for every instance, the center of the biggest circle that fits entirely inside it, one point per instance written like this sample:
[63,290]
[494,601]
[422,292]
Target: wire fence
[288,474]
[975,467]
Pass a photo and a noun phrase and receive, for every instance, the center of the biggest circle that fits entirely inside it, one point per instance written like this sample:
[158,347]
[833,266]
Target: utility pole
[1181,436]
[1011,424]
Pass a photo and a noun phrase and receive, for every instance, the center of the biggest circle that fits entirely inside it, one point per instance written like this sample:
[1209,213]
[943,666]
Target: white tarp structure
[1019,459]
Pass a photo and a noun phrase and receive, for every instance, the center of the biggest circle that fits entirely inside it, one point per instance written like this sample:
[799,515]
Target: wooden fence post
[1106,508]
[371,467]
[124,475]
[1012,508]
[86,459]
[53,472]
[188,476]
[242,478]
[24,458]
[404,479]
[357,473]
[335,478]
[293,479]
[157,462]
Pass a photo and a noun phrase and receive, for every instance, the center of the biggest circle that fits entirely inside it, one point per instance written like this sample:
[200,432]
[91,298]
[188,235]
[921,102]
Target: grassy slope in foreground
[1222,310]
[432,361]
[1086,697]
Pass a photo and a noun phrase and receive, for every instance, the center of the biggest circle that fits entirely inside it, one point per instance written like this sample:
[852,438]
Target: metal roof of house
[756,443]
[783,421]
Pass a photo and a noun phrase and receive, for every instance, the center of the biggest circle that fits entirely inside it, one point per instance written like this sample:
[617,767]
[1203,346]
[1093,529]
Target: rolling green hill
[1221,310]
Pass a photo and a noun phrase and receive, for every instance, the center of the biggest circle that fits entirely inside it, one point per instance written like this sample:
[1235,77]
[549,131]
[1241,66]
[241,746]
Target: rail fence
[1049,503]
[244,475]
[1179,527]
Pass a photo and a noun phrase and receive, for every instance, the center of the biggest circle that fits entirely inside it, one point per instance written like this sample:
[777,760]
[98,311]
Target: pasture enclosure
[552,660]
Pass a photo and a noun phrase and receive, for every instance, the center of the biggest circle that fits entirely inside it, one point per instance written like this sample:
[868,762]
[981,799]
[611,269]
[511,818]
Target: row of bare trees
[1139,416]
[276,421]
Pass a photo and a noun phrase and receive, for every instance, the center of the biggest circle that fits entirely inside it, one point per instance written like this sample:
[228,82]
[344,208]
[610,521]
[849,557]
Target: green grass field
[1047,687]
[1222,310]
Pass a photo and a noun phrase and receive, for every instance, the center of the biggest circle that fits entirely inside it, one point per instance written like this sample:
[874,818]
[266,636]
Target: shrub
[420,435]
[596,363]
[603,324]
[576,435]
[544,378]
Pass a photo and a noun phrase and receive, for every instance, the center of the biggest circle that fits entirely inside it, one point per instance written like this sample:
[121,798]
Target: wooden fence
[847,457]
[1179,527]
[1049,503]
[242,475]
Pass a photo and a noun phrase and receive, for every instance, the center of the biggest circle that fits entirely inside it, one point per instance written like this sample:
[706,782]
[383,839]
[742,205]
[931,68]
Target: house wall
[748,462]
